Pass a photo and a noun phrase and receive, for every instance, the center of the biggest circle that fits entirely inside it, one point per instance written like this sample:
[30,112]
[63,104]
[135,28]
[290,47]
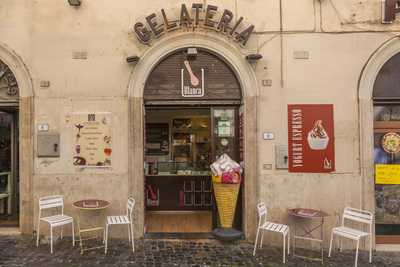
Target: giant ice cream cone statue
[226,196]
[226,183]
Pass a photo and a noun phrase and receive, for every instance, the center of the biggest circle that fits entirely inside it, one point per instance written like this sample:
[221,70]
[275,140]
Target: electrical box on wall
[281,156]
[48,145]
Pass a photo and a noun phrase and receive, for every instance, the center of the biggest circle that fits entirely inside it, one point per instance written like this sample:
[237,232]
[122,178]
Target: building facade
[113,61]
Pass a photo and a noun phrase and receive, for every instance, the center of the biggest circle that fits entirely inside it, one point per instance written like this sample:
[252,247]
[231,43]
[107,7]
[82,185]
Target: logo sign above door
[311,138]
[192,81]
[191,18]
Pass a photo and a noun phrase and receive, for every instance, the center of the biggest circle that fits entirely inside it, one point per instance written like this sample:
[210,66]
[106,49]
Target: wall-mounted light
[253,57]
[74,2]
[132,59]
[191,53]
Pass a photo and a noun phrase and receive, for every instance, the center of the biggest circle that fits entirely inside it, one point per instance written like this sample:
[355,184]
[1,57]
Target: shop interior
[9,178]
[178,187]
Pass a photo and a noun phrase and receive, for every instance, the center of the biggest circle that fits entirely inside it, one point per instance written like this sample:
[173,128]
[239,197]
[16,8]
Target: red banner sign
[311,138]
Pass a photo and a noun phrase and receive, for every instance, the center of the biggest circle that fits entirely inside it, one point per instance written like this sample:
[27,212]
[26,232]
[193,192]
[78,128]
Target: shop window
[386,150]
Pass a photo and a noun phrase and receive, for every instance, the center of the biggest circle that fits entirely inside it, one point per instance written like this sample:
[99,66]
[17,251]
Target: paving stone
[22,251]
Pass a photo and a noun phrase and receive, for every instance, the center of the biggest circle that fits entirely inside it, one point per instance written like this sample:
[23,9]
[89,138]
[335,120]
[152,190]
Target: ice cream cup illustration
[317,138]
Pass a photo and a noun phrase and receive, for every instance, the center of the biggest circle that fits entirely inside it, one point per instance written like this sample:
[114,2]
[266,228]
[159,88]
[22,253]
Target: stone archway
[23,78]
[366,117]
[230,53]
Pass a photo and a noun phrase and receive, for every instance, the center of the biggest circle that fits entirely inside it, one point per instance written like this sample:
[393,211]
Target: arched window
[213,76]
[386,96]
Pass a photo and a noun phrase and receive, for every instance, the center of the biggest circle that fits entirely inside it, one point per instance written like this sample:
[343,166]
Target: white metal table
[91,205]
[308,225]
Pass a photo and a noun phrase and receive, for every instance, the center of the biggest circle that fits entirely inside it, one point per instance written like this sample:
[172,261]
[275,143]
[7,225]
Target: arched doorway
[23,102]
[192,104]
[386,100]
[9,148]
[249,85]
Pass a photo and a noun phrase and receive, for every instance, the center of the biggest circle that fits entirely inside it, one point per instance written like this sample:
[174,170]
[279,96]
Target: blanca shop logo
[191,20]
[192,87]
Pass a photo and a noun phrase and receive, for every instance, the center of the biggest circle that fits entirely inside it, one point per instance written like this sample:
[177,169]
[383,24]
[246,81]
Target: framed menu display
[92,139]
[157,139]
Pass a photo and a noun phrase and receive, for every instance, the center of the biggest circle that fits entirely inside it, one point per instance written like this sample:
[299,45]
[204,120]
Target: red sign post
[311,138]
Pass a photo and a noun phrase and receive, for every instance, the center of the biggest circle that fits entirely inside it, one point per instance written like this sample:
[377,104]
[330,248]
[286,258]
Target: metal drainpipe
[281,38]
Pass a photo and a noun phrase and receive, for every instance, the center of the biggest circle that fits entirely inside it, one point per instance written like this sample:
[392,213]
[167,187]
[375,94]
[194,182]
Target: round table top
[91,204]
[307,213]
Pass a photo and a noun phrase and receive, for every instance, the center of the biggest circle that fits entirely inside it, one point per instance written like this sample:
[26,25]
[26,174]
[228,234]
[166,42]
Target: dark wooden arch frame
[206,100]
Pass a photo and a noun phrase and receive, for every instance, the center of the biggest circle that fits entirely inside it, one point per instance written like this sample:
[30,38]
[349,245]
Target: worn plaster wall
[339,37]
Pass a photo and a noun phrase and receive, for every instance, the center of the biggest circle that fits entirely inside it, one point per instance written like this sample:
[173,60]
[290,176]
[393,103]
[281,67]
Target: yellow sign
[387,173]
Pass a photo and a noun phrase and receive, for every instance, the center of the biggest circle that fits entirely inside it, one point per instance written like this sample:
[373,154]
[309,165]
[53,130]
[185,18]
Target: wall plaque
[93,141]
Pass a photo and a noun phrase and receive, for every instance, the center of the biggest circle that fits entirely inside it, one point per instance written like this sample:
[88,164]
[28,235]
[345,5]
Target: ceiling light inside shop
[191,53]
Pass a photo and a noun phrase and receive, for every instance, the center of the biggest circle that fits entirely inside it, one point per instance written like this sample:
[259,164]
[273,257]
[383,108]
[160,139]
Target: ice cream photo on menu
[317,137]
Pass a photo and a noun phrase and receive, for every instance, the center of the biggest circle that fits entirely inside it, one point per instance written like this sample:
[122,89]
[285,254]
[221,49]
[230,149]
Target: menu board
[157,139]
[93,142]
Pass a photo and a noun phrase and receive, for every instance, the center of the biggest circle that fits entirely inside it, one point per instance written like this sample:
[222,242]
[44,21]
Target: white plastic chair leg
[51,239]
[288,242]
[37,234]
[330,246]
[132,240]
[255,242]
[284,248]
[61,232]
[129,232]
[73,234]
[370,248]
[262,239]
[104,234]
[105,246]
[358,243]
[340,244]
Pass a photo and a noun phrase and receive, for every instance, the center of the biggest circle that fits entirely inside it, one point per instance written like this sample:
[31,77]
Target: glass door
[9,176]
[225,139]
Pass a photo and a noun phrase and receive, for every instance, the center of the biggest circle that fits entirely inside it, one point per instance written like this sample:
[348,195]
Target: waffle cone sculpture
[226,196]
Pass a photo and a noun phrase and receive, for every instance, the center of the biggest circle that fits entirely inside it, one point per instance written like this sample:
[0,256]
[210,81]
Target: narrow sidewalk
[21,251]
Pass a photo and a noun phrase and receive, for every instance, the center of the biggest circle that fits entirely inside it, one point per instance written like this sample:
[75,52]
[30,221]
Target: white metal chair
[8,193]
[264,225]
[121,220]
[359,216]
[56,220]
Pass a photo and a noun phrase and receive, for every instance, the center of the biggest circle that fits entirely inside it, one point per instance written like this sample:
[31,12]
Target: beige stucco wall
[340,37]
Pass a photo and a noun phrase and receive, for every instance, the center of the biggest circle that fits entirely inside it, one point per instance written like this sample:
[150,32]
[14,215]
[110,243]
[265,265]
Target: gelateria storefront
[194,101]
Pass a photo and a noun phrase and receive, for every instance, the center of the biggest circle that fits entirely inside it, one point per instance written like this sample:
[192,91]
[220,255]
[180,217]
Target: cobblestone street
[21,251]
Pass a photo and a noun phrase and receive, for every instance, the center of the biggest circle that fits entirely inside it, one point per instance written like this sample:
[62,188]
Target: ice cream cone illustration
[317,137]
[193,79]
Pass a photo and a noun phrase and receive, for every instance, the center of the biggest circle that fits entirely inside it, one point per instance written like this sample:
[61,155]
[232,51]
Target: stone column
[26,164]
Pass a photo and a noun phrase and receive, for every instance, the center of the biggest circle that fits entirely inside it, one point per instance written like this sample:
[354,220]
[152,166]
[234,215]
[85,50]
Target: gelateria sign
[196,16]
